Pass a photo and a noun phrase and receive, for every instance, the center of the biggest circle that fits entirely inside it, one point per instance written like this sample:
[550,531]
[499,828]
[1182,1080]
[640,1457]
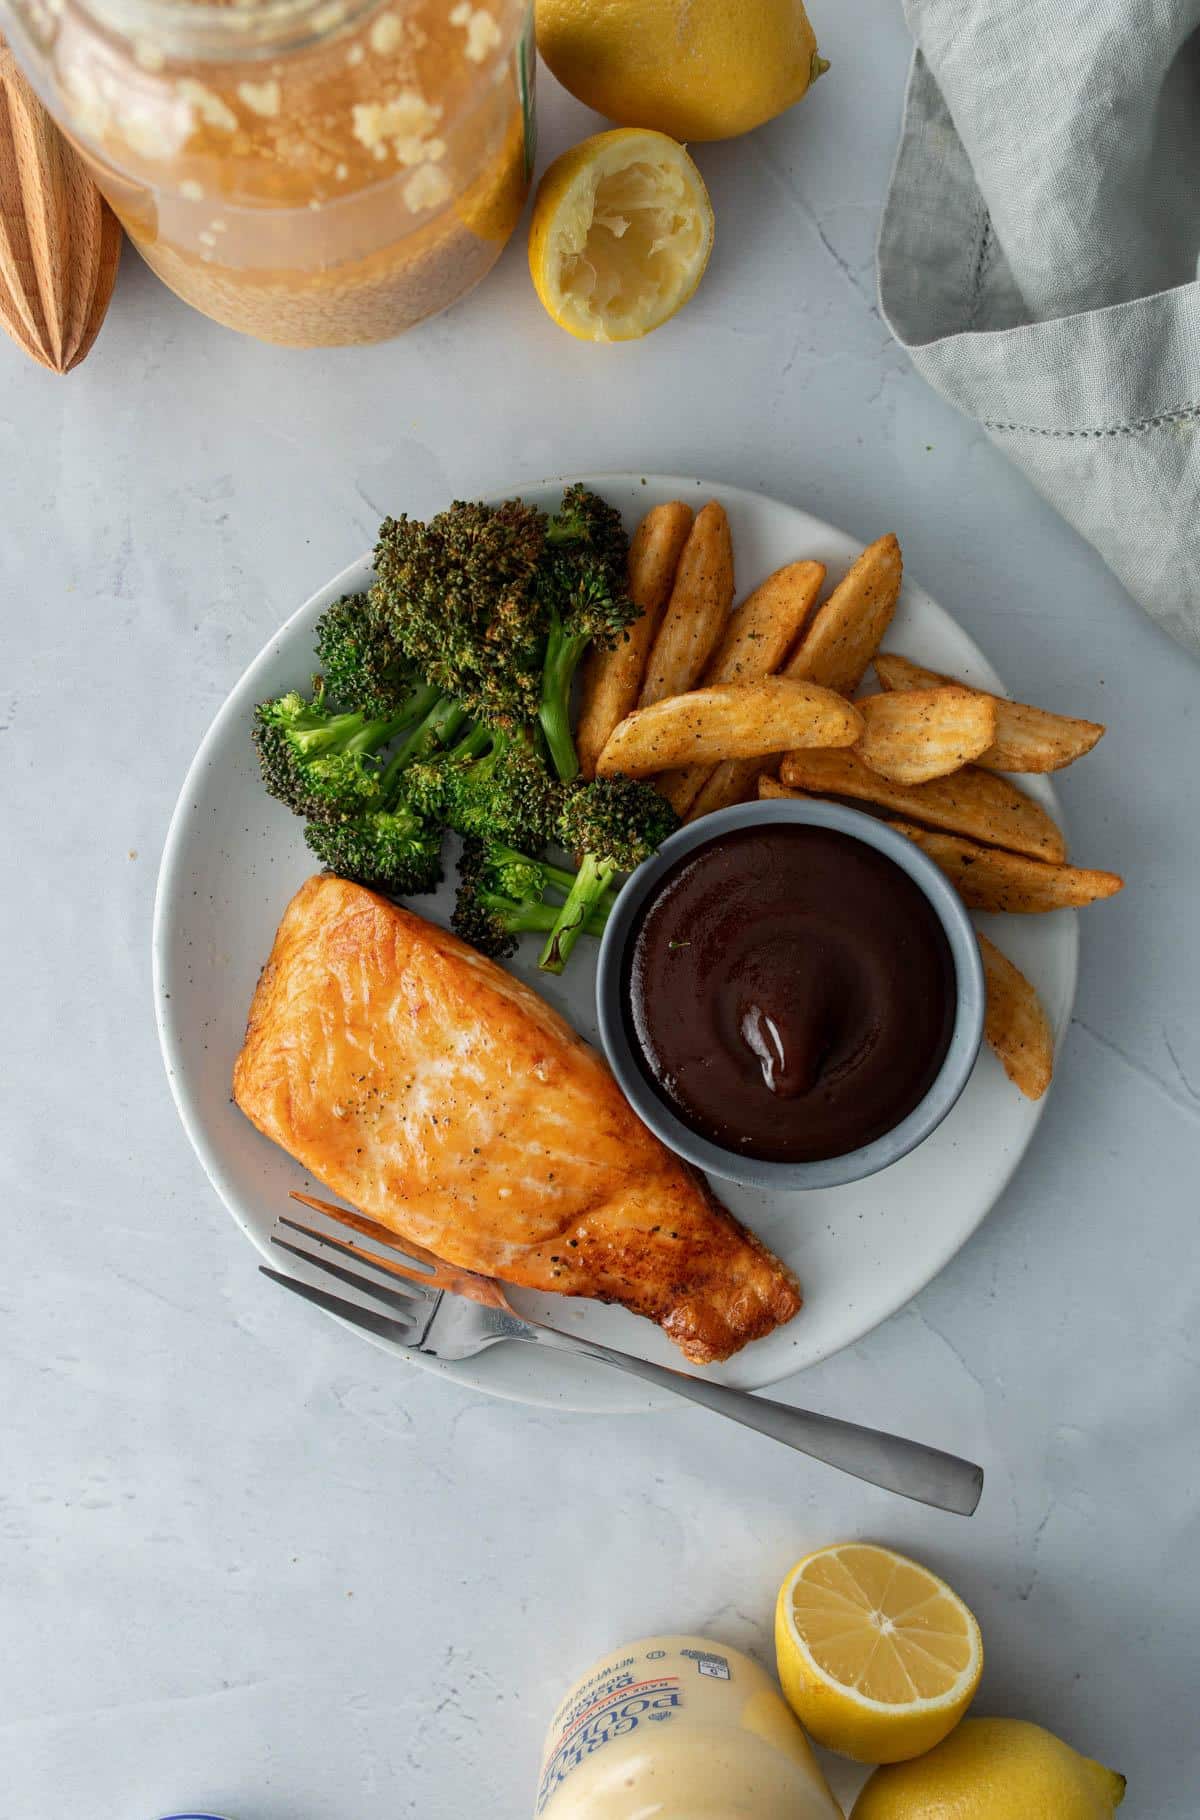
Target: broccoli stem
[561,877]
[591,884]
[434,730]
[338,730]
[420,702]
[478,741]
[354,734]
[563,652]
[526,915]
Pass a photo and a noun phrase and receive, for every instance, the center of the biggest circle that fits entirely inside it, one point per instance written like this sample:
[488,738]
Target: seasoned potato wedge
[732,781]
[972,802]
[990,878]
[841,640]
[758,636]
[1016,1025]
[1027,739]
[612,680]
[696,612]
[729,720]
[770,790]
[917,734]
[847,628]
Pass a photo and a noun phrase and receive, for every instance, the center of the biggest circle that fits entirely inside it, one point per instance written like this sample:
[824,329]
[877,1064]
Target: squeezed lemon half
[879,1659]
[621,233]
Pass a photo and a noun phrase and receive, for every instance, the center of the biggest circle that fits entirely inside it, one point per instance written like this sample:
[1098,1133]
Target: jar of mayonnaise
[679,1728]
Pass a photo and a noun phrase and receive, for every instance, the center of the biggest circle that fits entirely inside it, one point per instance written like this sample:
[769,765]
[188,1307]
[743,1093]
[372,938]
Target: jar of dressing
[312,172]
[679,1728]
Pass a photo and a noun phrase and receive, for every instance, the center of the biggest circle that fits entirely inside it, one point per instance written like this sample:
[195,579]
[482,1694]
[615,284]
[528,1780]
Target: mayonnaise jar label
[679,1727]
[605,1706]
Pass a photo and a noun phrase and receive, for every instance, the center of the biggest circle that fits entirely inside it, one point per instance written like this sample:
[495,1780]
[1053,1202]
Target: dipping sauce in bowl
[789,992]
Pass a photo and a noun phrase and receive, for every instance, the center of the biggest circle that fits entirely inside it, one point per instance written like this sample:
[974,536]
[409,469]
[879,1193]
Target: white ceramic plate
[233,858]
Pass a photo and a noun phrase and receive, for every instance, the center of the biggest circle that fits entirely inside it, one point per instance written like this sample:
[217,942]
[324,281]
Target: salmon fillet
[442,1097]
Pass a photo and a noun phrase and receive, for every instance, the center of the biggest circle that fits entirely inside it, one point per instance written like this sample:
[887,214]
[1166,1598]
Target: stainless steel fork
[449,1313]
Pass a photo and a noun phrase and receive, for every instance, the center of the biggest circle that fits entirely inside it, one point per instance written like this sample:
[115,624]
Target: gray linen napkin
[1039,255]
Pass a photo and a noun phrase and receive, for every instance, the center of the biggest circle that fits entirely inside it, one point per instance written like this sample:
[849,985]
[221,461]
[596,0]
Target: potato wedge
[991,878]
[1027,739]
[612,680]
[770,790]
[972,802]
[696,612]
[840,642]
[735,720]
[917,734]
[1015,1024]
[732,781]
[846,630]
[758,636]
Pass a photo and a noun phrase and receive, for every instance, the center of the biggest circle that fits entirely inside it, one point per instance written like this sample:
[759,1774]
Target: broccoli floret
[517,874]
[361,663]
[458,596]
[491,786]
[615,823]
[320,763]
[500,896]
[392,850]
[497,604]
[583,584]
[492,922]
[393,845]
[583,517]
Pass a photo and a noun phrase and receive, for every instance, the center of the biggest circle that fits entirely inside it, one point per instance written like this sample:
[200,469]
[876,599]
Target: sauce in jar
[790,992]
[312,172]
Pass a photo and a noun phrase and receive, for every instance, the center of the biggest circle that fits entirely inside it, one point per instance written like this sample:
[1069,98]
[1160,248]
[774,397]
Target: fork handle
[907,1467]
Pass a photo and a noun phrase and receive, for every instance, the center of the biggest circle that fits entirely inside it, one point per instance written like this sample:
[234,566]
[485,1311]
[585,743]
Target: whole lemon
[993,1769]
[697,69]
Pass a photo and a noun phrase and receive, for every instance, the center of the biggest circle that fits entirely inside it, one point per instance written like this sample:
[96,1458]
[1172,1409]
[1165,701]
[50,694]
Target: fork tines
[394,1283]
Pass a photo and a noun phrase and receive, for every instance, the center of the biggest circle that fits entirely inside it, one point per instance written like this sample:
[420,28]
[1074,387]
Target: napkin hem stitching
[981,264]
[1114,429]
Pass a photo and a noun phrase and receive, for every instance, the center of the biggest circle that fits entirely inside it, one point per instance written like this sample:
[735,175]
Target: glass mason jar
[313,172]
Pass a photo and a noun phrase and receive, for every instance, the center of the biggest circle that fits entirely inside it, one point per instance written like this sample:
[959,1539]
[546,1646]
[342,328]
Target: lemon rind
[622,143]
[964,1683]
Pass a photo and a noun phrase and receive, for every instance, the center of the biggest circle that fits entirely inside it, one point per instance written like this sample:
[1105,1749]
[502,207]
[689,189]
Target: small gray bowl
[828,1172]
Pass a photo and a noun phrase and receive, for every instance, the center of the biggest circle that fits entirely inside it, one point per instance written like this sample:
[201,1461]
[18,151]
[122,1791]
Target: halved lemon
[879,1659]
[621,233]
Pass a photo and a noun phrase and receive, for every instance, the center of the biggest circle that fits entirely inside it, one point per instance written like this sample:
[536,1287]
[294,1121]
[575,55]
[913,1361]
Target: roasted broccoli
[493,786]
[615,823]
[501,895]
[320,763]
[582,583]
[497,604]
[390,849]
[362,664]
[518,875]
[435,730]
[458,596]
[472,633]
